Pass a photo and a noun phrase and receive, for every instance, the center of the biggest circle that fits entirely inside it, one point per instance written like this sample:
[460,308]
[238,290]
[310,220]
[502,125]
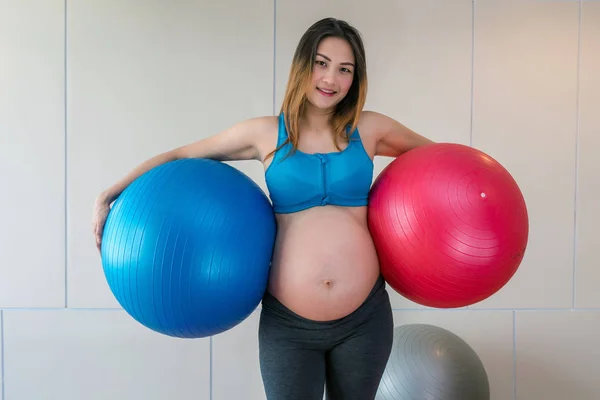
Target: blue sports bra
[301,180]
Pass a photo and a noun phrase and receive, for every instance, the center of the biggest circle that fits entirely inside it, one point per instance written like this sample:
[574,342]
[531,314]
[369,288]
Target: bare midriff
[324,262]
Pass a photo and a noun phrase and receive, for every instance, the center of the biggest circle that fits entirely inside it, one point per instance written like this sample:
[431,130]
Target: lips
[326,92]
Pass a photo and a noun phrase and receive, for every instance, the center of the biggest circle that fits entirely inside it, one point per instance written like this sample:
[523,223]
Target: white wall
[89,89]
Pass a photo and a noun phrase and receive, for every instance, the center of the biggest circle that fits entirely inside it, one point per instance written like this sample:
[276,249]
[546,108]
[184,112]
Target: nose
[329,77]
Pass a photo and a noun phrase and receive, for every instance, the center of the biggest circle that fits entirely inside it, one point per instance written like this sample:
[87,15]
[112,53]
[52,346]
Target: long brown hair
[348,110]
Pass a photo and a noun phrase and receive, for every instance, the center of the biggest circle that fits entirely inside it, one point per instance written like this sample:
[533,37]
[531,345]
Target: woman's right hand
[101,210]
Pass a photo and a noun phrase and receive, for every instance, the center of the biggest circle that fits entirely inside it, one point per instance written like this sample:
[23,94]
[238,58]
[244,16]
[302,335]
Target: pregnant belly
[324,263]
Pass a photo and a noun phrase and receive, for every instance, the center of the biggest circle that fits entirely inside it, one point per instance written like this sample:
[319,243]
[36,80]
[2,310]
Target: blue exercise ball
[186,248]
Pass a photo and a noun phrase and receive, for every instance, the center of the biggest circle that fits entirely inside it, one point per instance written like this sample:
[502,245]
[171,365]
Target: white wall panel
[525,110]
[147,76]
[236,370]
[557,355]
[587,274]
[98,355]
[32,154]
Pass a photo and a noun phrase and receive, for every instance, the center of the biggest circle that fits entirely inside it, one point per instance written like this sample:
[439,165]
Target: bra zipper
[324,199]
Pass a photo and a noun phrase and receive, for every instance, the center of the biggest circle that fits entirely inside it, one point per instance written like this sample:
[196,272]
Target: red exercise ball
[450,225]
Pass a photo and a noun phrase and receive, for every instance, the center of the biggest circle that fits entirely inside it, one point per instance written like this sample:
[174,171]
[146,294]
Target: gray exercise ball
[431,363]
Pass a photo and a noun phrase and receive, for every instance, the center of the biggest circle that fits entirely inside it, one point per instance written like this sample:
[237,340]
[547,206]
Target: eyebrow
[329,59]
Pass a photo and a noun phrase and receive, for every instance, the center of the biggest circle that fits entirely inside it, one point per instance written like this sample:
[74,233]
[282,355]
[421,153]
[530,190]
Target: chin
[323,103]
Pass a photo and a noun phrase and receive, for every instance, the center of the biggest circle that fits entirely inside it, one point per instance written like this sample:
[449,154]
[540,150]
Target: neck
[317,120]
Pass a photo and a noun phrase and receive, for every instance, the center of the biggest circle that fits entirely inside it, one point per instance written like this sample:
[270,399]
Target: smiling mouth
[326,92]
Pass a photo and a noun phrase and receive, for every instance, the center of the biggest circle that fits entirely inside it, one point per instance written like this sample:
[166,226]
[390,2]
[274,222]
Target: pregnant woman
[326,319]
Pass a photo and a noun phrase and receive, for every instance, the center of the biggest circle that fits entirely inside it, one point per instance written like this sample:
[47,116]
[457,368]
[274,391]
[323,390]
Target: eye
[346,70]
[321,63]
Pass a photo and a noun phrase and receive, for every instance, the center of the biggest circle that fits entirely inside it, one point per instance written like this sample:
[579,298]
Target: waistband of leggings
[272,304]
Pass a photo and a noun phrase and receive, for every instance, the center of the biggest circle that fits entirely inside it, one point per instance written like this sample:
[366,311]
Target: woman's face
[333,73]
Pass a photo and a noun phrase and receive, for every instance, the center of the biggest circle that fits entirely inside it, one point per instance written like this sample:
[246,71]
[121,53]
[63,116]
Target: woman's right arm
[239,142]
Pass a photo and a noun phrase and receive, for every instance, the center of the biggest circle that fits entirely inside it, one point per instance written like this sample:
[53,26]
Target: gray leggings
[300,357]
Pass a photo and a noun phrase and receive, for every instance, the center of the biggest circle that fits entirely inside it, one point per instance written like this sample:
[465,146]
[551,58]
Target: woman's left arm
[391,137]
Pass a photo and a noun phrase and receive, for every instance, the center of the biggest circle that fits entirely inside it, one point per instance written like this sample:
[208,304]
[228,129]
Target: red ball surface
[450,225]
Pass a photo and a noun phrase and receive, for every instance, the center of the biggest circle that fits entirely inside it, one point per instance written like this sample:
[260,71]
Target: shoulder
[371,127]
[372,124]
[264,130]
[387,136]
[261,125]
[259,129]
